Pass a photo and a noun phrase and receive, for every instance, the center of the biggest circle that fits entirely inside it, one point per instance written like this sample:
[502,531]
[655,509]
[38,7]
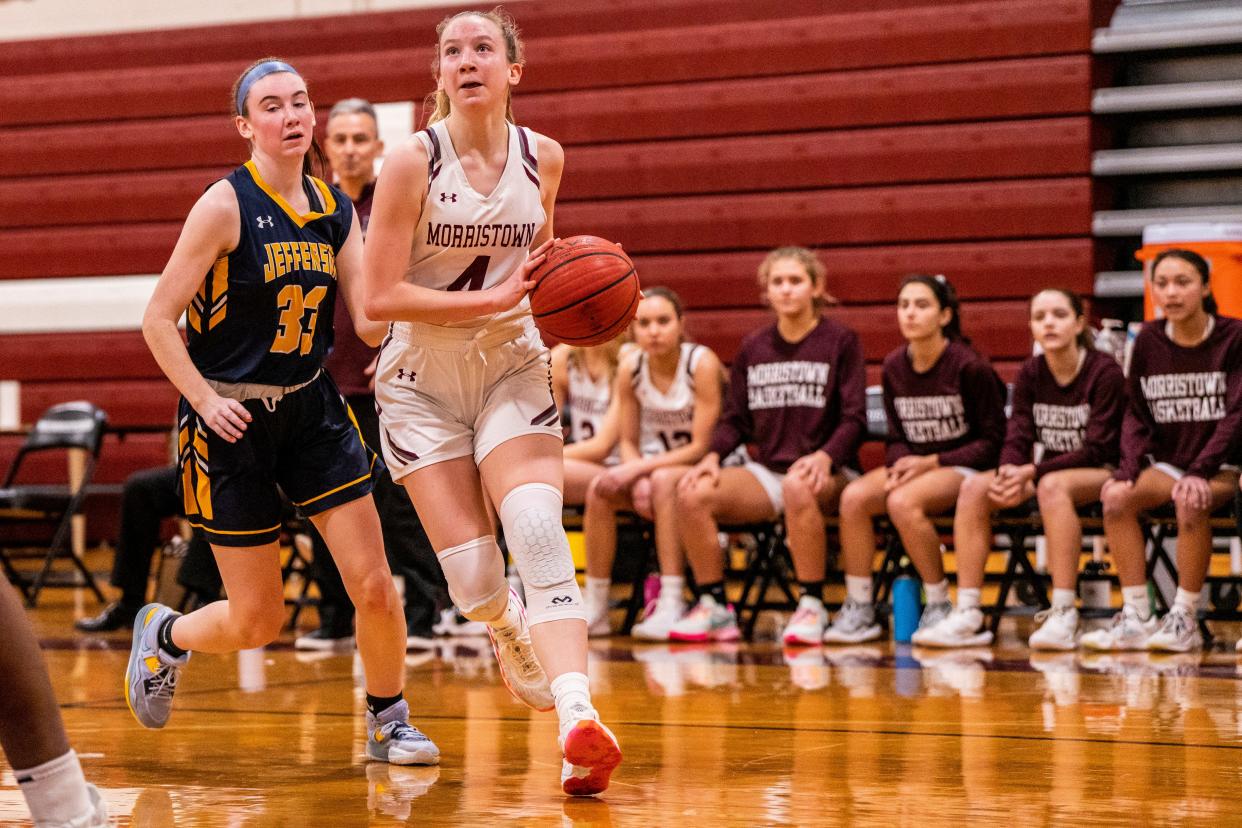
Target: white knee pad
[475,572]
[531,516]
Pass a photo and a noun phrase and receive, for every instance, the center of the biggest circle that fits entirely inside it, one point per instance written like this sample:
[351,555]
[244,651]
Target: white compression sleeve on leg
[531,516]
[475,572]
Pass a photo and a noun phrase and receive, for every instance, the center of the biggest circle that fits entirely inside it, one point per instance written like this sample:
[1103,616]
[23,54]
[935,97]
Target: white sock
[572,692]
[672,590]
[596,595]
[1136,598]
[858,587]
[1064,598]
[56,790]
[1189,601]
[967,597]
[937,593]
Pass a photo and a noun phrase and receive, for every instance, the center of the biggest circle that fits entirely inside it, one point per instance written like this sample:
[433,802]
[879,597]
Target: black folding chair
[73,426]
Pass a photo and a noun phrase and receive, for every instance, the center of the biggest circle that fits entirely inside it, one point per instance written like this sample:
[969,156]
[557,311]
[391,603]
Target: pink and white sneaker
[707,621]
[806,628]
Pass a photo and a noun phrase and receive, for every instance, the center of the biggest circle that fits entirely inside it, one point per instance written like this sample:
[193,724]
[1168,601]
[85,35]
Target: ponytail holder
[262,70]
[939,277]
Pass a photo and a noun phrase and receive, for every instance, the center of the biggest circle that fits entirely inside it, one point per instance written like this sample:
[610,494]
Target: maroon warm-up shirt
[793,398]
[1066,426]
[350,355]
[1185,403]
[956,409]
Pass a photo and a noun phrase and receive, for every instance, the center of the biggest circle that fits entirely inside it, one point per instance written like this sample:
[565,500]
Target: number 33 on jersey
[264,312]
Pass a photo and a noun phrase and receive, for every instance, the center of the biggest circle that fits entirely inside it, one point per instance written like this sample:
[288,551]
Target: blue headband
[267,67]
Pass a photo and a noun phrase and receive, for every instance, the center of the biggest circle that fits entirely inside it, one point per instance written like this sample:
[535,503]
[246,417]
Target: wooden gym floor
[713,735]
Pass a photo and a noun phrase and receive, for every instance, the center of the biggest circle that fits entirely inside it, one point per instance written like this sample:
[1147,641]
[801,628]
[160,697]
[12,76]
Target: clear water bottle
[907,607]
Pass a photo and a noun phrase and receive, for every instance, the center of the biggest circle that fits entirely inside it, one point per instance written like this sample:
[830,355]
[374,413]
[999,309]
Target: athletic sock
[378,704]
[1136,598]
[967,598]
[1187,600]
[1063,598]
[571,692]
[937,593]
[858,587]
[672,590]
[815,589]
[716,590]
[164,638]
[56,791]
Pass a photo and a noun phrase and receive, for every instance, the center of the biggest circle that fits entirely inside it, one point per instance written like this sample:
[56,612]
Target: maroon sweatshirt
[955,409]
[350,355]
[793,398]
[1074,426]
[1185,403]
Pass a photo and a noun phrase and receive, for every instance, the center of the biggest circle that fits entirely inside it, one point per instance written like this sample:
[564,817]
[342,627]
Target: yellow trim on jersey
[219,292]
[334,491]
[298,219]
[233,531]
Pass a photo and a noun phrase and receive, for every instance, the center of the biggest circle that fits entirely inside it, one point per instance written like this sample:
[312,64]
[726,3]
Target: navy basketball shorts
[307,443]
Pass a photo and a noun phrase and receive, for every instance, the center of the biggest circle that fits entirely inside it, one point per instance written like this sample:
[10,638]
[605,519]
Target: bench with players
[659,436]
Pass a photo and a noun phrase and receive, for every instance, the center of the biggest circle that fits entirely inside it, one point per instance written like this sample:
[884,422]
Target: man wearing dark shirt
[352,147]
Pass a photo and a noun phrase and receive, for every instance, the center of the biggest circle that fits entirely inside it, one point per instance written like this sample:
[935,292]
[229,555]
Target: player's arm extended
[211,230]
[399,195]
[350,278]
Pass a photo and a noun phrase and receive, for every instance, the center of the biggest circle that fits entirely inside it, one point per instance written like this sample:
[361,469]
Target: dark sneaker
[115,616]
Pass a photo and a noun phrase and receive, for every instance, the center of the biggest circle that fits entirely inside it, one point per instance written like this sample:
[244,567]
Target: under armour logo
[402,375]
[562,599]
[448,197]
[264,221]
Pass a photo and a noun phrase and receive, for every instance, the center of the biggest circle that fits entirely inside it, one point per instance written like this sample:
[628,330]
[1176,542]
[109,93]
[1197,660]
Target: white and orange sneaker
[520,669]
[590,752]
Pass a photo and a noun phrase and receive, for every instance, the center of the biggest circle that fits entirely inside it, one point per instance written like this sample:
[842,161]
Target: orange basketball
[586,291]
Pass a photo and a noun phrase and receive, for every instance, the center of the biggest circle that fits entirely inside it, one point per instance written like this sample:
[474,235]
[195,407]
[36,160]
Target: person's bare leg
[254,611]
[910,507]
[861,501]
[1060,494]
[972,530]
[1122,506]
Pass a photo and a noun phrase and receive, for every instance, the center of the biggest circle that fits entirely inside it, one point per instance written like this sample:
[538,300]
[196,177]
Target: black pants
[409,551]
[150,496]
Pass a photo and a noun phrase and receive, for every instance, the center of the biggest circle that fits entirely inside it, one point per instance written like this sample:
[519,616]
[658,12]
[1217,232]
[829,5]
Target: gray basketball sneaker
[152,674]
[391,738]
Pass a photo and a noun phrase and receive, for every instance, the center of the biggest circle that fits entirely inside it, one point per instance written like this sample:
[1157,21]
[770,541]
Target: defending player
[668,395]
[257,411]
[463,214]
[798,392]
[946,421]
[1181,427]
[1062,444]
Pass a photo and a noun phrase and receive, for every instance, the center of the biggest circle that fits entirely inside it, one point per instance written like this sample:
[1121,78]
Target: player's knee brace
[531,516]
[475,572]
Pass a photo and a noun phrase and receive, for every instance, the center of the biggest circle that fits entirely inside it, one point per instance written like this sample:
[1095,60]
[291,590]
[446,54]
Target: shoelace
[1177,623]
[524,655]
[163,684]
[1044,615]
[401,730]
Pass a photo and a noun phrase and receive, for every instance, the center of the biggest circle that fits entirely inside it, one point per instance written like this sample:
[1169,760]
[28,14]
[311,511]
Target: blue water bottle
[907,607]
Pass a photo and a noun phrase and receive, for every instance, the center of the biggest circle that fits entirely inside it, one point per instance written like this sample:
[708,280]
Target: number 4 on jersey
[472,277]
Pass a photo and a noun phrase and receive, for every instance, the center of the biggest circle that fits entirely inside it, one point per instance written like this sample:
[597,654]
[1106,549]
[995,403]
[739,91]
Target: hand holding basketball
[509,292]
[586,291]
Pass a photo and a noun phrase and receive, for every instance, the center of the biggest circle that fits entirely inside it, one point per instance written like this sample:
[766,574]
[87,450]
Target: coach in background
[352,145]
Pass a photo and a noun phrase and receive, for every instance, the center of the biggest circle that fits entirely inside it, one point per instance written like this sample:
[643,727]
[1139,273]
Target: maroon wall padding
[608,60]
[1022,87]
[870,275]
[801,161]
[410,29]
[77,356]
[136,403]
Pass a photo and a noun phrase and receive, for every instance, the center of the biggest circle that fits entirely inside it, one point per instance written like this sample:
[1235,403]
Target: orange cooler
[1220,244]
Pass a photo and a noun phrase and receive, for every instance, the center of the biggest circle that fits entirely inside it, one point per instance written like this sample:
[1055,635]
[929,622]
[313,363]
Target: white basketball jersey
[588,402]
[469,241]
[666,418]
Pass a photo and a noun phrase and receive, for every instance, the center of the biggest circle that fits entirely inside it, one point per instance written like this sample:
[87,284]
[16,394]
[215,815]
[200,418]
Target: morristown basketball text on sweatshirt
[792,398]
[955,409]
[1185,403]
[1077,425]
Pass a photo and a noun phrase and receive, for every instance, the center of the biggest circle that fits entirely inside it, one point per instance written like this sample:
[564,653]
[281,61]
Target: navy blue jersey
[263,314]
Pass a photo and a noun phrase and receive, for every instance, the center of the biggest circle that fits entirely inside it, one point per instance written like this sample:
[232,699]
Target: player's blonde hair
[437,103]
[610,349]
[810,263]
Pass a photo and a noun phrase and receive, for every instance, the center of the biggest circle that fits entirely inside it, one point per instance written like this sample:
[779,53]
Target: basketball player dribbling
[462,217]
[258,266]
